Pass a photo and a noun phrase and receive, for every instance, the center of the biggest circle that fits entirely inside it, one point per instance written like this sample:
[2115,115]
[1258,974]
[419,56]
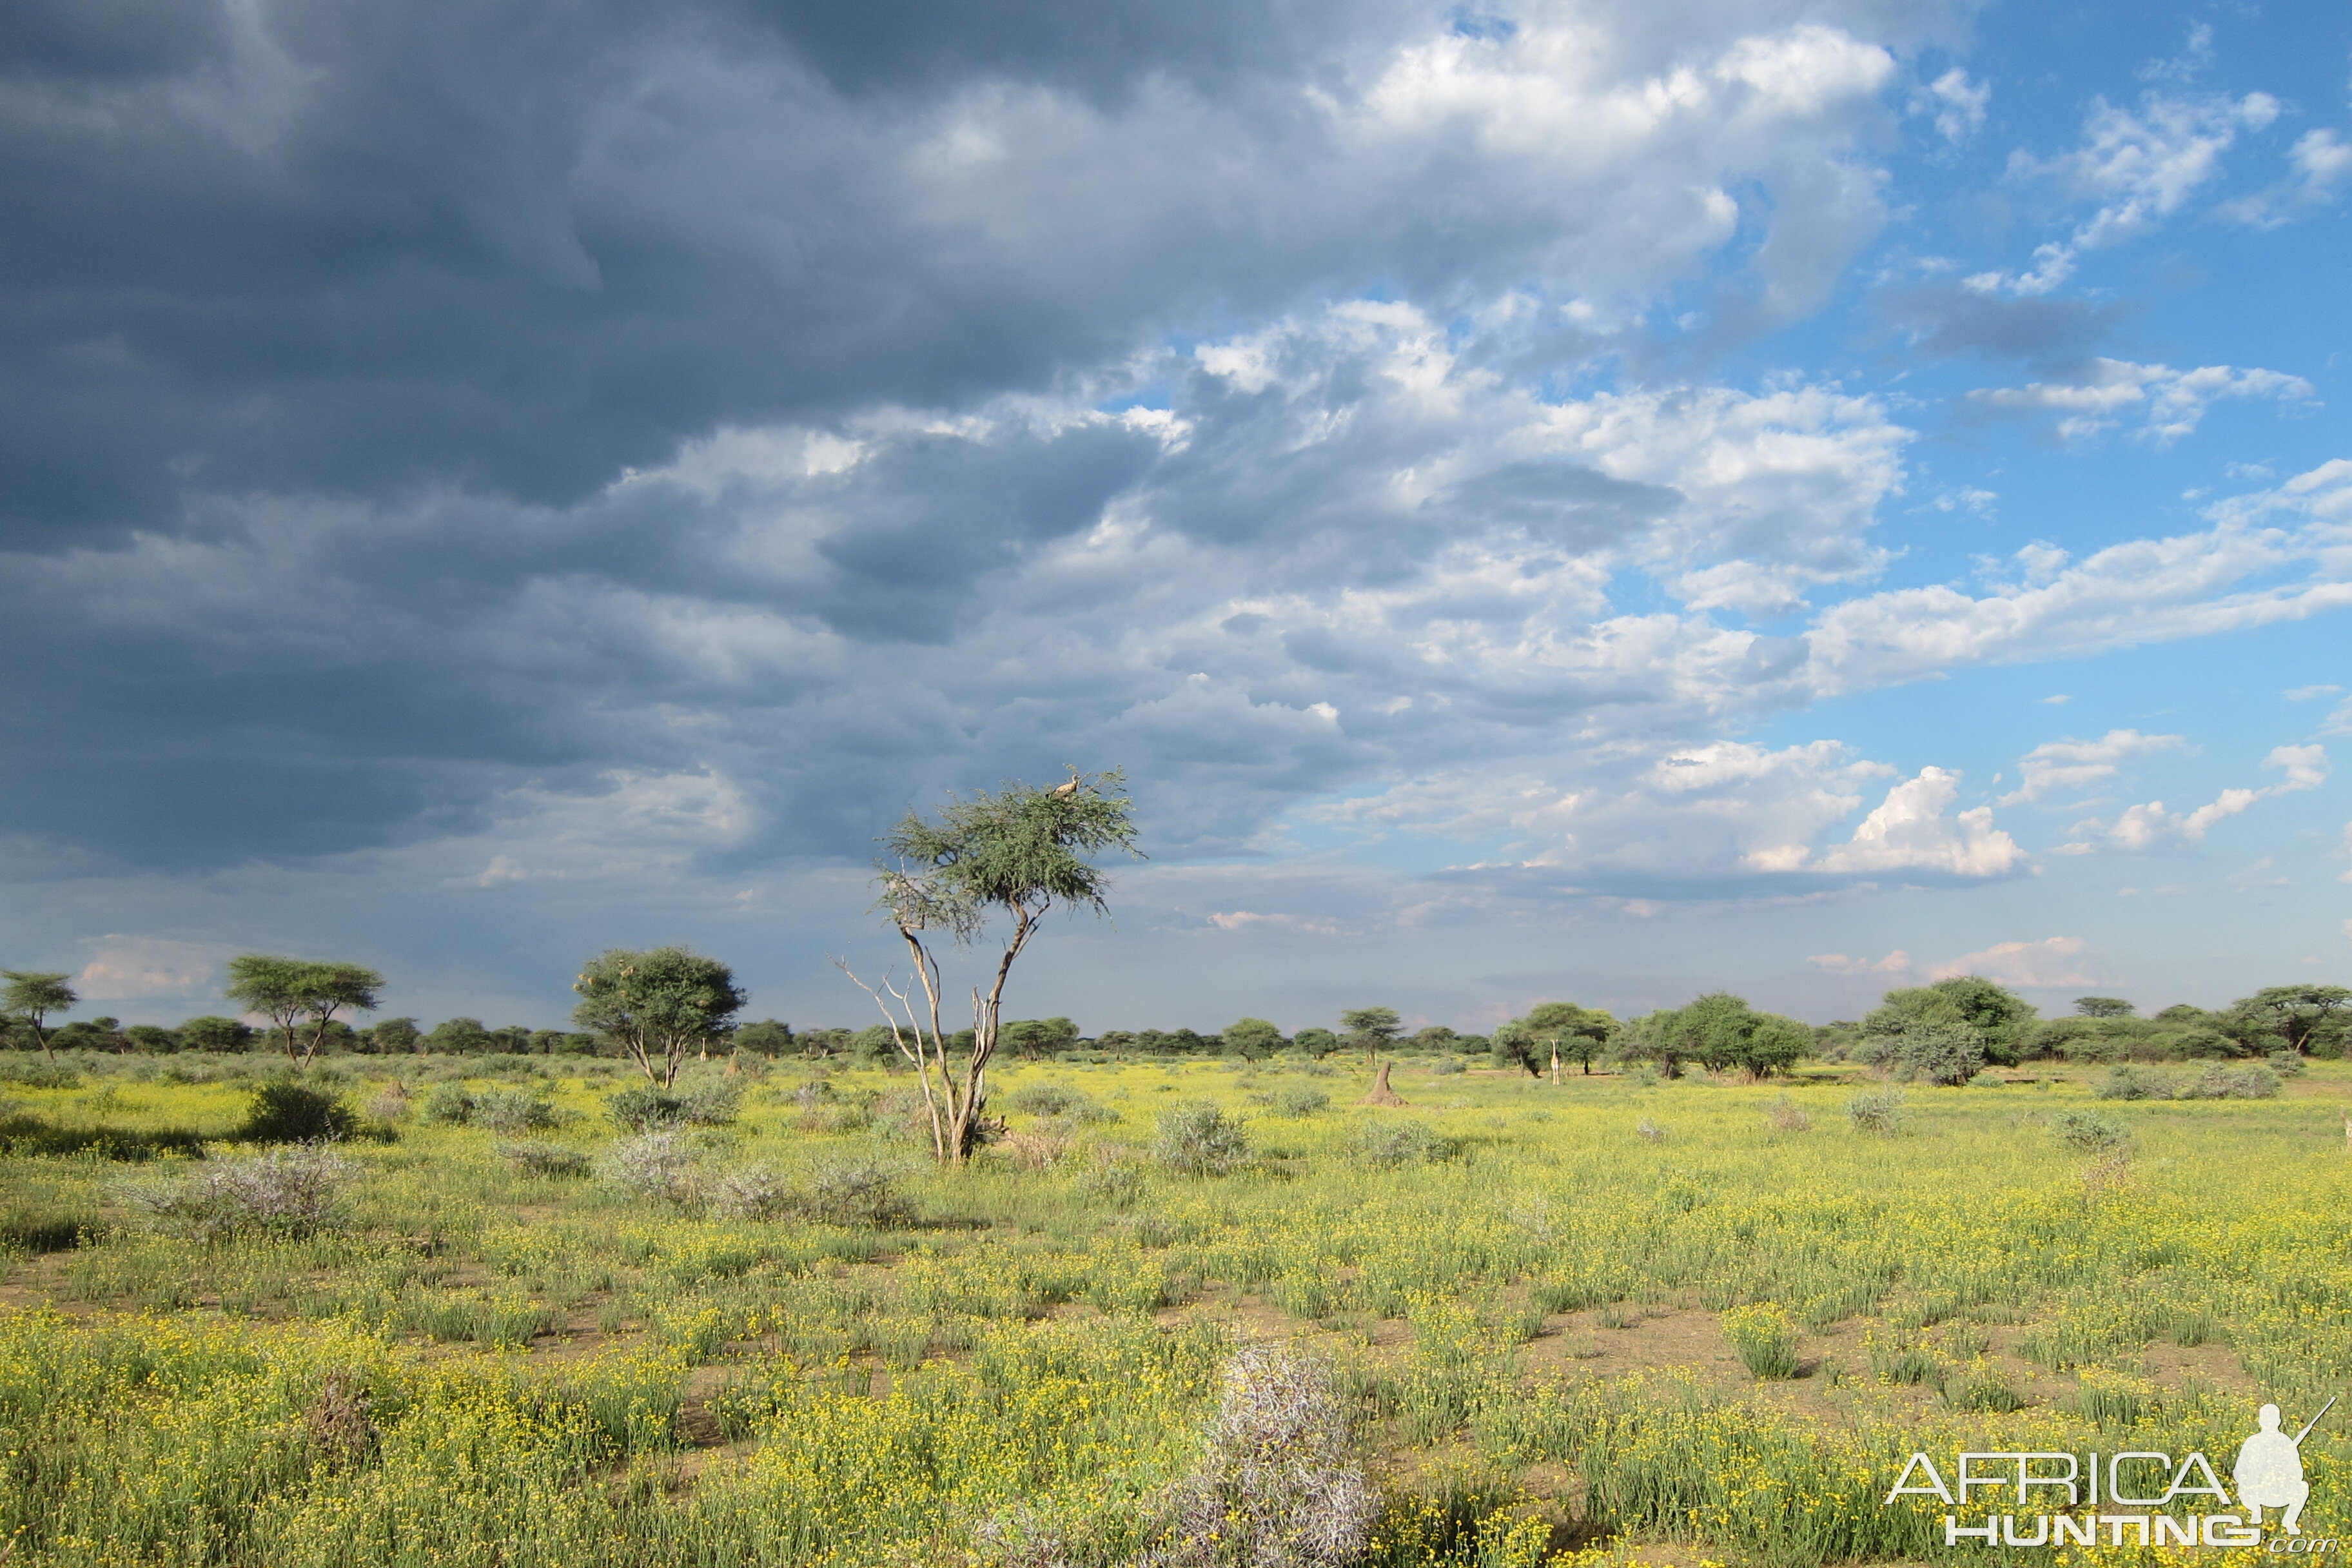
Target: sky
[1601,500]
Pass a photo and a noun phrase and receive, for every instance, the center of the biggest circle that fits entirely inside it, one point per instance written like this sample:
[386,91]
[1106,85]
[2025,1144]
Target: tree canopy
[1371,1030]
[286,991]
[656,1004]
[1013,855]
[1719,1031]
[29,996]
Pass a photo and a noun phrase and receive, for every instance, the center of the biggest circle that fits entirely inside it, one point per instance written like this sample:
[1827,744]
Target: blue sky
[1601,500]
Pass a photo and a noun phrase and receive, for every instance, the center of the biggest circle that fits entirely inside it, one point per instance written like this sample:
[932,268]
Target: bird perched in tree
[1063,791]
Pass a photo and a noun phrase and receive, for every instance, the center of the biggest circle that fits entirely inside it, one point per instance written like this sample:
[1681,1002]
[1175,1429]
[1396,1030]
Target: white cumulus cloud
[2054,961]
[1895,963]
[130,968]
[2139,167]
[1910,831]
[2167,404]
[2071,766]
[2150,826]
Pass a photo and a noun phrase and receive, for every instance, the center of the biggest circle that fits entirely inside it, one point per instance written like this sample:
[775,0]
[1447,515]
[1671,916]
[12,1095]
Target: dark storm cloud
[354,361]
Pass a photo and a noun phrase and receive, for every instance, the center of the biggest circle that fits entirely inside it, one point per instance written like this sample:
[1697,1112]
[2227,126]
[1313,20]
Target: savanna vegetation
[521,1311]
[680,1290]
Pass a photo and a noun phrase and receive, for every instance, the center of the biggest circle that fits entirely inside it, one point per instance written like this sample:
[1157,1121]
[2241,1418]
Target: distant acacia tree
[30,997]
[2103,1007]
[216,1034]
[291,991]
[1569,1033]
[1371,1030]
[656,1004]
[1719,1031]
[1038,1037]
[1253,1037]
[1015,856]
[2309,1019]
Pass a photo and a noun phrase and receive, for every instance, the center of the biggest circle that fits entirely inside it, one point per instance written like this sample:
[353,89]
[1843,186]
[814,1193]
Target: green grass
[1555,1328]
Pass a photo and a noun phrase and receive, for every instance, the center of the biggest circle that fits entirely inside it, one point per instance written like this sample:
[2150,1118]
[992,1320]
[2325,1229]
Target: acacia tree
[1014,856]
[2301,1016]
[31,998]
[656,1004]
[1371,1030]
[1571,1033]
[288,991]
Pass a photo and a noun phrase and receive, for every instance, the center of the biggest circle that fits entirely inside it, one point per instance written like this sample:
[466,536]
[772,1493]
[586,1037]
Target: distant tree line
[656,1007]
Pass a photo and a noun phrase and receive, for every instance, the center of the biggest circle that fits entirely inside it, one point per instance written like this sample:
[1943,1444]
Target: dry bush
[658,1165]
[337,1419]
[856,1193]
[754,1192]
[1277,1484]
[512,1110]
[544,1159]
[1040,1150]
[285,1192]
[1787,1116]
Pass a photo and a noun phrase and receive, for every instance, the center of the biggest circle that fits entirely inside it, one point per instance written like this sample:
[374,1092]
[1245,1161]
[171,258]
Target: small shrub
[1299,1100]
[2218,1081]
[1904,1362]
[644,1108]
[1765,1339]
[1382,1144]
[1277,1484]
[337,1420]
[755,1191]
[1445,1067]
[1046,1099]
[1040,1149]
[1787,1116]
[1114,1183]
[1987,1080]
[712,1104]
[513,1111]
[2287,1064]
[38,1073]
[656,1165]
[857,1193]
[1643,1076]
[281,1192]
[284,1113]
[449,1104]
[1876,1110]
[1650,1131]
[816,1092]
[2090,1132]
[2136,1083]
[837,1119]
[1980,1385]
[391,1104]
[1201,1140]
[544,1159]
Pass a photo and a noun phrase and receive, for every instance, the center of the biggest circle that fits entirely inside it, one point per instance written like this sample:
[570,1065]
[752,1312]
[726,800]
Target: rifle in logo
[2269,1471]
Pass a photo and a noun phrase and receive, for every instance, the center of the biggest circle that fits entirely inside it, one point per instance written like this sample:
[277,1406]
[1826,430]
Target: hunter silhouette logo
[2269,1471]
[2268,1475]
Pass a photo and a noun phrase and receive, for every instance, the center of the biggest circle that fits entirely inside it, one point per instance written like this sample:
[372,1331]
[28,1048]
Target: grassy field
[1602,1321]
